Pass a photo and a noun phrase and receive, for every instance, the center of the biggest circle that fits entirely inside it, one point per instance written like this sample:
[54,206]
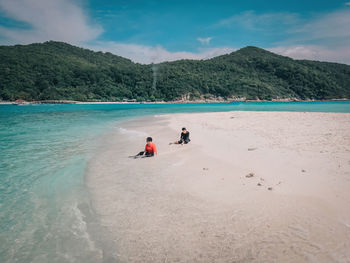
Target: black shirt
[185,136]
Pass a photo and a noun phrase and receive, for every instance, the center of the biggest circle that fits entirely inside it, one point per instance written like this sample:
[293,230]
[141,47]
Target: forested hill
[59,71]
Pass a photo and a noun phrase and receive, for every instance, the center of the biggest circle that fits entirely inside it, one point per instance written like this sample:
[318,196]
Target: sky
[156,31]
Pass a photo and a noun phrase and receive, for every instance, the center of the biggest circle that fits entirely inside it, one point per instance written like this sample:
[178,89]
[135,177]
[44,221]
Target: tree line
[59,71]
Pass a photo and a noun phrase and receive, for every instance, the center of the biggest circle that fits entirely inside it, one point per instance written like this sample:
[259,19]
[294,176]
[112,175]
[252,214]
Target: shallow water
[45,211]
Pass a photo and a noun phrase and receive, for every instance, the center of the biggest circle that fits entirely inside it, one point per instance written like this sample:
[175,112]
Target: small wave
[132,132]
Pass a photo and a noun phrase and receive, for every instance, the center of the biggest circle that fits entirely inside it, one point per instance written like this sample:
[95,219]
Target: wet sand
[250,187]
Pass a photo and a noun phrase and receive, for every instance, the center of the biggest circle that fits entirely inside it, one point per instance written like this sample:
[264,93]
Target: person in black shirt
[184,138]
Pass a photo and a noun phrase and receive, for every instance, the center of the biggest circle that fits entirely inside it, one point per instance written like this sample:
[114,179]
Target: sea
[46,211]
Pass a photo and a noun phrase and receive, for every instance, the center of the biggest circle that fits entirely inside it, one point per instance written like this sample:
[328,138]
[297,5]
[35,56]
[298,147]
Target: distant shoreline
[21,102]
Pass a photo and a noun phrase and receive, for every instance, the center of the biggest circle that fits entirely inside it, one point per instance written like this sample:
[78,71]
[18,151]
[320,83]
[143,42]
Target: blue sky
[155,31]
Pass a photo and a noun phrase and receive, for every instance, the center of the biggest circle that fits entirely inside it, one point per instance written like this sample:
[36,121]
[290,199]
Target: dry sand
[198,203]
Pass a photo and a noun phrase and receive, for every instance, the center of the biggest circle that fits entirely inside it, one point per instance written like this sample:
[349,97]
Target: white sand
[194,203]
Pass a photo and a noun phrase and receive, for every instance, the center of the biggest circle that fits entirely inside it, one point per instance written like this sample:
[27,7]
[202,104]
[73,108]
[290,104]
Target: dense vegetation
[55,71]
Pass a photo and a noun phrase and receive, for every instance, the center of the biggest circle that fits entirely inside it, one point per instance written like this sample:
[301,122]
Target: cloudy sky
[154,31]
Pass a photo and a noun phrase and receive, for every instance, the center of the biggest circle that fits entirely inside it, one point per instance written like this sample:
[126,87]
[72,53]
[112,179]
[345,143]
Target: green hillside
[59,71]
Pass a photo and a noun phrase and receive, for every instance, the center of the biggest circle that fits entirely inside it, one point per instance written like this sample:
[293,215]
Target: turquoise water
[45,211]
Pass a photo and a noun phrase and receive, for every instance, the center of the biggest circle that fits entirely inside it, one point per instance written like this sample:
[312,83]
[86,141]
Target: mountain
[59,71]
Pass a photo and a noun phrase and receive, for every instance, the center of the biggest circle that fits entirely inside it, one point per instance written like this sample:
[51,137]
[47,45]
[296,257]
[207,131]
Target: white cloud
[325,28]
[204,41]
[314,52]
[347,3]
[62,20]
[148,54]
[324,37]
[47,20]
[252,21]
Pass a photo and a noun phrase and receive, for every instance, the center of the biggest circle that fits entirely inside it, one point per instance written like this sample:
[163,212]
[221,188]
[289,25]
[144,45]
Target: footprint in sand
[250,175]
[252,149]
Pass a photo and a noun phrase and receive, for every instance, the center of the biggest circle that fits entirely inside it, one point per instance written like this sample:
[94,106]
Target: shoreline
[196,202]
[160,102]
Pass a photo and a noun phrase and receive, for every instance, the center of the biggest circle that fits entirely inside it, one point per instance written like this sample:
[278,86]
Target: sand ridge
[250,187]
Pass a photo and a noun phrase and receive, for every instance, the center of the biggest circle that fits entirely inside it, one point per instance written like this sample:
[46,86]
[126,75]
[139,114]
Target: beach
[249,187]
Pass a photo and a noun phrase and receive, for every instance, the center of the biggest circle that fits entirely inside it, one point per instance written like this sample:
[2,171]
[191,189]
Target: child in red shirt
[150,149]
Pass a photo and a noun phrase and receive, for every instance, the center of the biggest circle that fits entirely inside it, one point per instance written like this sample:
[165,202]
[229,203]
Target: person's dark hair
[183,128]
[149,139]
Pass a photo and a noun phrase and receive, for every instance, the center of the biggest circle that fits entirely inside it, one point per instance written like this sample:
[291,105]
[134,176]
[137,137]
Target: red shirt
[151,148]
